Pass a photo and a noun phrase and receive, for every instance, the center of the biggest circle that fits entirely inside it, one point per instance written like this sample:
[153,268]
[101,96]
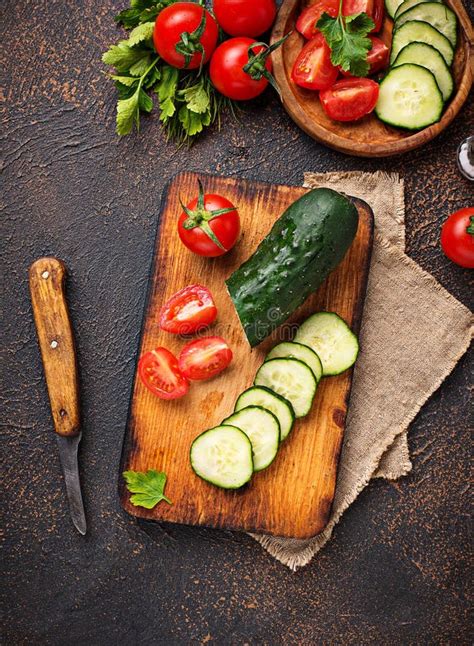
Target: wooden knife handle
[56,341]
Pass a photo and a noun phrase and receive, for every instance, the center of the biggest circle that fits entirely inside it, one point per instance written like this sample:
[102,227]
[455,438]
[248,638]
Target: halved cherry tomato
[245,17]
[209,225]
[377,57]
[373,8]
[159,372]
[457,237]
[189,310]
[204,358]
[306,23]
[313,68]
[185,35]
[227,71]
[350,99]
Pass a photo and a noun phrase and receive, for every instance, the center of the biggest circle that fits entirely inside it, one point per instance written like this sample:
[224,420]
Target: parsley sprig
[347,39]
[186,100]
[148,488]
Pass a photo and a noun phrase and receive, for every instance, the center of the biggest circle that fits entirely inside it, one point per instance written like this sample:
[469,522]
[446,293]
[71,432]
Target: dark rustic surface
[396,570]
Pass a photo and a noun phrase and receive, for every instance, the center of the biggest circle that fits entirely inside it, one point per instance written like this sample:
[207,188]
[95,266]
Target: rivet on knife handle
[56,341]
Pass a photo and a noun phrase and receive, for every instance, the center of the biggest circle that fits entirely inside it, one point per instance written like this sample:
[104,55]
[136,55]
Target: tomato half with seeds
[457,237]
[159,372]
[189,310]
[185,35]
[204,358]
[306,23]
[373,8]
[350,99]
[209,225]
[245,17]
[313,69]
[377,56]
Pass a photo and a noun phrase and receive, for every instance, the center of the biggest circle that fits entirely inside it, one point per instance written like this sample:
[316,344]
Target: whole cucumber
[305,244]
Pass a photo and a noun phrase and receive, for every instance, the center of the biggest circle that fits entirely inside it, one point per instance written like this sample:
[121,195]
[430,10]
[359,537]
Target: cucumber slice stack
[419,82]
[284,389]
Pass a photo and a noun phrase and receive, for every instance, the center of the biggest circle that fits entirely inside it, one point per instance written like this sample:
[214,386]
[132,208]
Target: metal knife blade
[56,341]
[68,447]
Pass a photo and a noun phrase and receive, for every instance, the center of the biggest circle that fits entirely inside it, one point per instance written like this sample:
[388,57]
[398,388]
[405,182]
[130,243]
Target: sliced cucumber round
[392,6]
[408,4]
[292,379]
[435,14]
[409,97]
[429,57]
[223,456]
[293,350]
[332,339]
[271,401]
[421,32]
[262,429]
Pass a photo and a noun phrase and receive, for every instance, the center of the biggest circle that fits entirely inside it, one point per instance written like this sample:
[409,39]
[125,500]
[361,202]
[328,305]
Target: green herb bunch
[186,99]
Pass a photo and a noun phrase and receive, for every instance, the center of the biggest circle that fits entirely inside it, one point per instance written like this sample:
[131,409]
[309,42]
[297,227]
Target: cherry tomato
[373,8]
[313,68]
[306,23]
[457,237]
[159,372]
[350,99]
[185,35]
[209,225]
[204,358]
[189,310]
[245,17]
[377,57]
[227,69]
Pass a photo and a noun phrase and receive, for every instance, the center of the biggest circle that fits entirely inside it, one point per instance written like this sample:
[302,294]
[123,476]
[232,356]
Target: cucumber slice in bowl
[408,4]
[266,398]
[262,429]
[223,457]
[392,6]
[332,339]
[293,350]
[421,32]
[292,379]
[437,15]
[409,97]
[429,57]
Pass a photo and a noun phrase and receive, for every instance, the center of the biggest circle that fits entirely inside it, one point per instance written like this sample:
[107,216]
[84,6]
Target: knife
[47,278]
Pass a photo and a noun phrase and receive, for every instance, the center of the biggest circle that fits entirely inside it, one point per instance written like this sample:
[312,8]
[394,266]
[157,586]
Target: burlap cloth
[413,334]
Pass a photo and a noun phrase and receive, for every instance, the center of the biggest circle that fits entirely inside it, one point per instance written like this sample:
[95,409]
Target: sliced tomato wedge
[377,57]
[306,23]
[379,12]
[204,358]
[373,8]
[159,372]
[313,69]
[189,310]
[350,99]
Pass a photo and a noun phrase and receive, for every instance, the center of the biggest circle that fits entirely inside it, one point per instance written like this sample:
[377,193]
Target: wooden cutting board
[293,496]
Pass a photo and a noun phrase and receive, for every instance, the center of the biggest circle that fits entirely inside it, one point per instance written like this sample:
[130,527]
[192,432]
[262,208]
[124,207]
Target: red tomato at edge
[159,372]
[245,17]
[226,227]
[350,99]
[306,23]
[456,241]
[227,70]
[189,310]
[313,68]
[204,358]
[172,22]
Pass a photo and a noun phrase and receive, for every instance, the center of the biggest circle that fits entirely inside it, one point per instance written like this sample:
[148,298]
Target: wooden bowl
[368,137]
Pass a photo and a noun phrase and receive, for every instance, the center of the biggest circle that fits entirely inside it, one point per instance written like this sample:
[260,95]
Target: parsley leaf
[140,11]
[166,91]
[196,97]
[124,58]
[147,488]
[348,41]
[141,33]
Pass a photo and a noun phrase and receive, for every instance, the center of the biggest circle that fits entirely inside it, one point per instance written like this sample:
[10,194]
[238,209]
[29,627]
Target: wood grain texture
[293,497]
[368,137]
[56,340]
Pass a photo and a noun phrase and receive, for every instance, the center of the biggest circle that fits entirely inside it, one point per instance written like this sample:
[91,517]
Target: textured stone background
[396,569]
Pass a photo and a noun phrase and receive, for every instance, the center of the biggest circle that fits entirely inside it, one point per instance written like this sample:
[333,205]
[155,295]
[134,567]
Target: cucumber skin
[305,244]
